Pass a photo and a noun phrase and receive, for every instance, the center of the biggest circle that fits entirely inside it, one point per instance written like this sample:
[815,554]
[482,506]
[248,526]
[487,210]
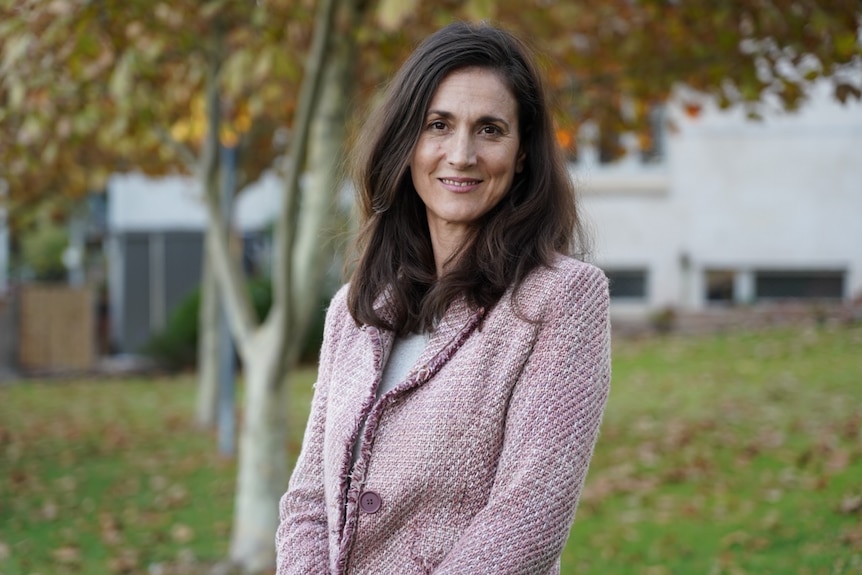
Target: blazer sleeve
[551,429]
[301,540]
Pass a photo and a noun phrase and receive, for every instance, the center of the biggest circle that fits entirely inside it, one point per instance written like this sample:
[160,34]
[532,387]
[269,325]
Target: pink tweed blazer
[475,462]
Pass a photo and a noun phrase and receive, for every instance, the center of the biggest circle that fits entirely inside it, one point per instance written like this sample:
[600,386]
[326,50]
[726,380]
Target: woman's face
[468,152]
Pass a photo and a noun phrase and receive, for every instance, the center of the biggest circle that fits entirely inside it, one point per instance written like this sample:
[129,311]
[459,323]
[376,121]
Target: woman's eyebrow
[493,120]
[487,119]
[440,113]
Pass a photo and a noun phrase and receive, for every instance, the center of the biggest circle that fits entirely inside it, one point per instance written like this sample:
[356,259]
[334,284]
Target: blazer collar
[453,328]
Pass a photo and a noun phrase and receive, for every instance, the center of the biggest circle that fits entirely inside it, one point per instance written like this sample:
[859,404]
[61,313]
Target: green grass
[107,476]
[728,454]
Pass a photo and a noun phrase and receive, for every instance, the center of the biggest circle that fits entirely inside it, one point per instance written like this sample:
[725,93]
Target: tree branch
[286,227]
[228,275]
[184,152]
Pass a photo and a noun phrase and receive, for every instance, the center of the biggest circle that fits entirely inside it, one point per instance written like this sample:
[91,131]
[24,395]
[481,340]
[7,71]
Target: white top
[405,351]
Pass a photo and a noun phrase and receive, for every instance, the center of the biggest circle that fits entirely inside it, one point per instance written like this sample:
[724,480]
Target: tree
[125,91]
[180,80]
[269,349]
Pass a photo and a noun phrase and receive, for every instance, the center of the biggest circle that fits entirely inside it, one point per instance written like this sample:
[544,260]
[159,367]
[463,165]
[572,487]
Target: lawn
[728,454]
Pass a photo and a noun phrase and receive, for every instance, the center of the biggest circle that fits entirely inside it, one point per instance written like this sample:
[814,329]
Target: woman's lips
[460,185]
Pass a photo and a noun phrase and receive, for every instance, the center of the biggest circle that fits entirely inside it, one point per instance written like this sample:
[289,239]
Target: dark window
[799,284]
[629,284]
[610,147]
[652,147]
[719,286]
[610,142]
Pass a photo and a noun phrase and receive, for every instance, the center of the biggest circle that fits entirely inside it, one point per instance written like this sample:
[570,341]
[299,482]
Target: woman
[465,369]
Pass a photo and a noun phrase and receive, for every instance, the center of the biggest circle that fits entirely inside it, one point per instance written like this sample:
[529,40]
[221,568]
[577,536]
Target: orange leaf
[692,110]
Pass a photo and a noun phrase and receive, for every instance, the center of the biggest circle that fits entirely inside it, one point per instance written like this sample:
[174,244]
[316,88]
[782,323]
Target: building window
[719,286]
[653,148]
[613,145]
[627,284]
[799,284]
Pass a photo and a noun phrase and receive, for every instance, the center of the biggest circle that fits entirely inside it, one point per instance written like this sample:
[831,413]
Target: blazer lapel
[452,331]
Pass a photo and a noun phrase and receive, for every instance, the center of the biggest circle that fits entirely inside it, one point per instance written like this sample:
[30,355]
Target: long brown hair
[536,219]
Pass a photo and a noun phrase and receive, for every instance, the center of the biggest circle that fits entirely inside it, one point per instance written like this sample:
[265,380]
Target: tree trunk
[270,350]
[262,464]
[314,242]
[262,454]
[208,345]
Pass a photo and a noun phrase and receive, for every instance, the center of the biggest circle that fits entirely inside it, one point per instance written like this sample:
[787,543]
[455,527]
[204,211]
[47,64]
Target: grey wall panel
[136,300]
[183,263]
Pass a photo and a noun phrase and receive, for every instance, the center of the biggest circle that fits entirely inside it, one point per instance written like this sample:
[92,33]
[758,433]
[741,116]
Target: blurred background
[174,217]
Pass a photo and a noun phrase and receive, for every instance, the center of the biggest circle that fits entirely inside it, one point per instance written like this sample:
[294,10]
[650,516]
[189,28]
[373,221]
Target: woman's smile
[460,185]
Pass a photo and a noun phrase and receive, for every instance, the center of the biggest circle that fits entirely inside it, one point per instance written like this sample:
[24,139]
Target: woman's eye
[490,130]
[437,125]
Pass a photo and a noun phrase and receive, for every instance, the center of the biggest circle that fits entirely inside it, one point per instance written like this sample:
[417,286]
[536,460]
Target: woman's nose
[462,149]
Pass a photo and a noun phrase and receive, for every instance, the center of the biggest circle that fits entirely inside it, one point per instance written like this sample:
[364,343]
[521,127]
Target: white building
[737,211]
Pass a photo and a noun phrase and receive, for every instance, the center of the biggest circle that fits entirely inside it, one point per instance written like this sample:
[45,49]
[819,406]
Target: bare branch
[286,229]
[184,152]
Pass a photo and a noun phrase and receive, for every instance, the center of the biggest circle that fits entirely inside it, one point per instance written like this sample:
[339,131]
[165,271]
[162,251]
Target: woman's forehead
[474,91]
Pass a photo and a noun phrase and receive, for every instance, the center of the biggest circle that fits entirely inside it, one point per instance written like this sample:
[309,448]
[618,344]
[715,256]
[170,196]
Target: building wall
[731,195]
[155,245]
[137,202]
[738,195]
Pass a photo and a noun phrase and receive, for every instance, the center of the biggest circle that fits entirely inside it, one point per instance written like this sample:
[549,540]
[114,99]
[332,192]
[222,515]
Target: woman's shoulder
[563,282]
[337,310]
[565,273]
[568,266]
[339,300]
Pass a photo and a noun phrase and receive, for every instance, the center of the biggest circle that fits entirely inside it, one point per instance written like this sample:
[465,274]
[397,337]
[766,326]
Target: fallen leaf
[851,504]
[186,557]
[67,555]
[735,538]
[852,428]
[18,477]
[177,495]
[49,511]
[773,495]
[852,537]
[158,482]
[126,562]
[181,533]
[67,483]
[110,529]
[838,460]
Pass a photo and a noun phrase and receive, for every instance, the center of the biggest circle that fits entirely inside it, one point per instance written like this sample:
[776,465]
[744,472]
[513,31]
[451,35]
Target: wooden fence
[56,329]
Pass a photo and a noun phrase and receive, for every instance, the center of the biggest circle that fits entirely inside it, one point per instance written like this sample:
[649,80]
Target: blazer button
[369,502]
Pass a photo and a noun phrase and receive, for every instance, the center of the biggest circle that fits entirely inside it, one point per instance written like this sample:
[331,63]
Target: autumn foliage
[87,88]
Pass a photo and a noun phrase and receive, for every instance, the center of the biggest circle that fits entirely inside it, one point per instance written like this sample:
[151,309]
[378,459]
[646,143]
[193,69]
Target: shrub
[175,347]
[663,321]
[42,252]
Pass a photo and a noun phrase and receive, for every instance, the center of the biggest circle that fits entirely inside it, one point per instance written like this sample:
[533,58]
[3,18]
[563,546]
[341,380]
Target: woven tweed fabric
[478,457]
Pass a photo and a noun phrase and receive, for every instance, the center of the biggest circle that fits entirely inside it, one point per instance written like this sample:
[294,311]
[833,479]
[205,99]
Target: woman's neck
[446,241]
